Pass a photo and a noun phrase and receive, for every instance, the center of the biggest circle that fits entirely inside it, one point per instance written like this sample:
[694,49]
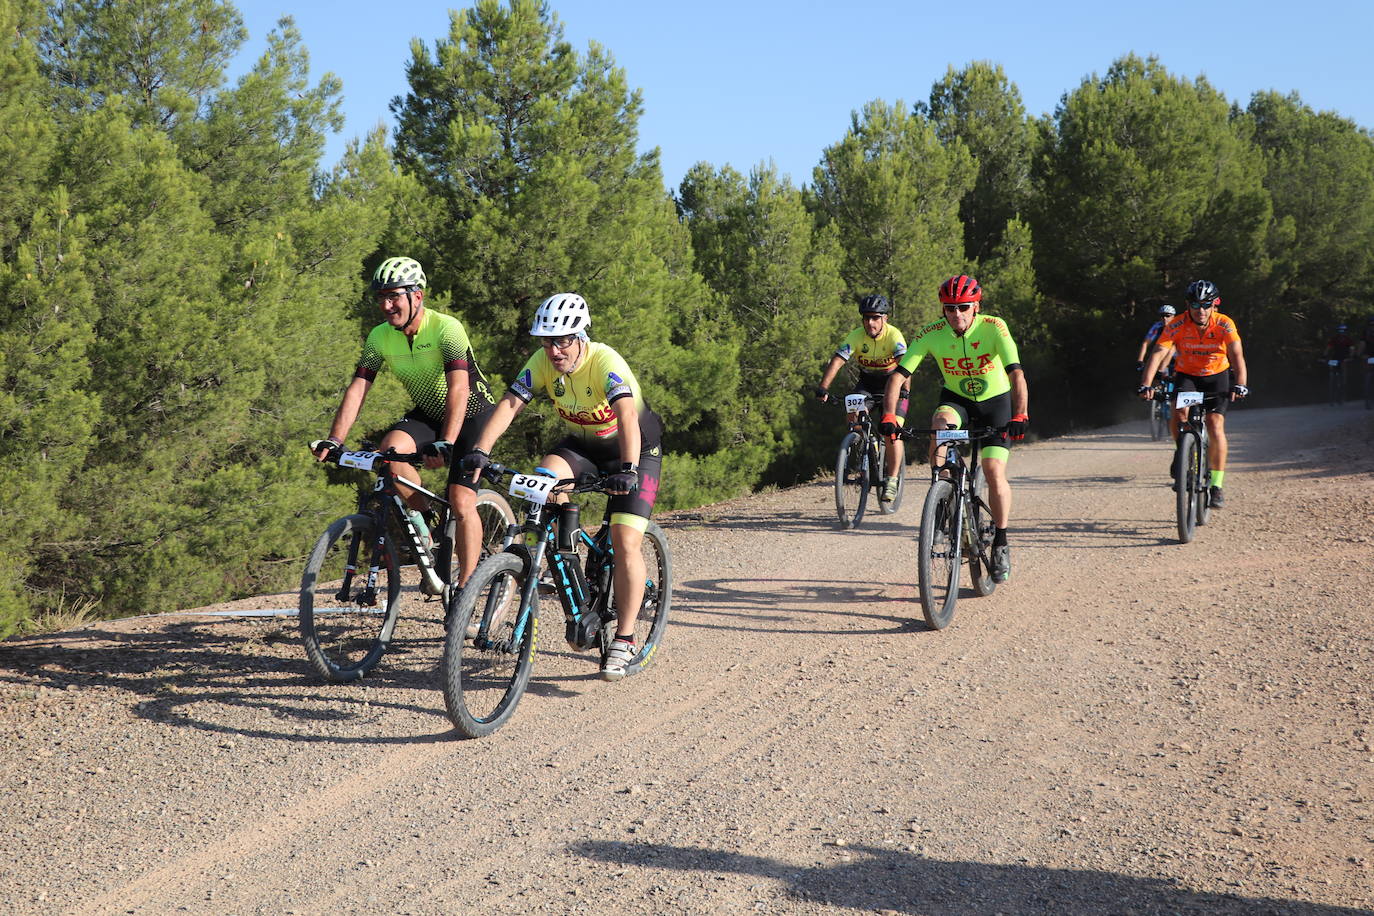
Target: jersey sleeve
[531,378]
[454,346]
[1006,346]
[898,344]
[915,351]
[370,361]
[617,379]
[846,349]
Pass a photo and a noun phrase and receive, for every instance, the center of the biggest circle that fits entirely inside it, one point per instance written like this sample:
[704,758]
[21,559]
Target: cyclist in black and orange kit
[984,385]
[877,345]
[430,354]
[1210,360]
[610,430]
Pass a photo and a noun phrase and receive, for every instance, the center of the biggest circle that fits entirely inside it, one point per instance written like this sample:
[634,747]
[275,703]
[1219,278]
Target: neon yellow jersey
[874,356]
[440,344]
[973,364]
[583,397]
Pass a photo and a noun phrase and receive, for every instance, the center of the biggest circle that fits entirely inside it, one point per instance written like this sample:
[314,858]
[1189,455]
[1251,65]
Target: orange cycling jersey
[1201,350]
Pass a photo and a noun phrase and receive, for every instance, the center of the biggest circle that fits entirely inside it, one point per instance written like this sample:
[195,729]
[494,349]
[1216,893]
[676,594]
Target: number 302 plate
[533,487]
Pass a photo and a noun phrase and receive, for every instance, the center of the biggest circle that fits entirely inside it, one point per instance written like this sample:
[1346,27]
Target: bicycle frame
[965,478]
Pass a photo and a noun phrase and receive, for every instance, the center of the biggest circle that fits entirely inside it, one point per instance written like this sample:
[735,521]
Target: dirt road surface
[1130,725]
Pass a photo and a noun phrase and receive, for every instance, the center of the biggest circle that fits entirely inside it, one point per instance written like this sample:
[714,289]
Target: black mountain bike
[860,464]
[1192,473]
[956,524]
[353,587]
[1159,409]
[489,649]
[1335,381]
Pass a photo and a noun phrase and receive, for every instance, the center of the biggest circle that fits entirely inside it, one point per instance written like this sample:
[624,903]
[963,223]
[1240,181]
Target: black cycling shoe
[1215,499]
[1001,563]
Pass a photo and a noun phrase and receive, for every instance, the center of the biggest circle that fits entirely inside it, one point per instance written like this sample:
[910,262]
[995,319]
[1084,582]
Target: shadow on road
[887,879]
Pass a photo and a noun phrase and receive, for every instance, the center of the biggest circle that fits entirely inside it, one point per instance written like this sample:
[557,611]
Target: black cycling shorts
[1218,386]
[590,460]
[876,385]
[994,412]
[420,427]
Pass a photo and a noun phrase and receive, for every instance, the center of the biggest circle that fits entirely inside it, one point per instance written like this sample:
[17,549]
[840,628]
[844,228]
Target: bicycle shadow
[774,606]
[1092,534]
[888,879]
[182,674]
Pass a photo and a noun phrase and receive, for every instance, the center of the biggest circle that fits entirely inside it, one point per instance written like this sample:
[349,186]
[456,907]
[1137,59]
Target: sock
[629,639]
[1217,477]
[999,537]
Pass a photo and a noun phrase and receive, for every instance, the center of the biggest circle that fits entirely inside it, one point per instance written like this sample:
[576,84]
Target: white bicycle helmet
[1166,311]
[561,313]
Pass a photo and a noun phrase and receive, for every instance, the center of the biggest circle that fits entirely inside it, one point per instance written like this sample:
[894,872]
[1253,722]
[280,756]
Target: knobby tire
[653,609]
[852,481]
[1185,487]
[345,635]
[938,557]
[484,678]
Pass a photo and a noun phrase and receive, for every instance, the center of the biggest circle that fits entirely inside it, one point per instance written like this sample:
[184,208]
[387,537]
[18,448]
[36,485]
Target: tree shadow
[888,879]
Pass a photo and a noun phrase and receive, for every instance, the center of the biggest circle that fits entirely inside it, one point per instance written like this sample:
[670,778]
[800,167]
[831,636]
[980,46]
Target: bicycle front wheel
[851,481]
[653,609]
[937,564]
[495,516]
[879,461]
[350,598]
[489,648]
[1202,503]
[1185,486]
[1159,420]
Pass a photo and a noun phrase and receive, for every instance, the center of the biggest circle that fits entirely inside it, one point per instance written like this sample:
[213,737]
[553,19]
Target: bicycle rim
[489,649]
[851,481]
[346,630]
[1185,487]
[1202,504]
[938,556]
[980,531]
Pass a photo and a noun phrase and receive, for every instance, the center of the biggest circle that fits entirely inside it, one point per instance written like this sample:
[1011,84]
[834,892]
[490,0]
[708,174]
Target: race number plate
[363,461]
[855,402]
[534,487]
[1333,362]
[1187,399]
[951,435]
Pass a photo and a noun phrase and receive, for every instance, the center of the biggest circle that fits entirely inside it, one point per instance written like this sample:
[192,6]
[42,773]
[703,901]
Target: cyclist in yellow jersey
[876,346]
[430,354]
[611,430]
[984,385]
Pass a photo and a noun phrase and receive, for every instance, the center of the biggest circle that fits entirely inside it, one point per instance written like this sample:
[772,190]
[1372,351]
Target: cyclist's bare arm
[831,370]
[501,418]
[1147,375]
[1239,374]
[893,394]
[1020,394]
[349,407]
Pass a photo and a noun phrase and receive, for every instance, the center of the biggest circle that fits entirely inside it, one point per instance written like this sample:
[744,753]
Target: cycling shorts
[876,385]
[417,425]
[994,412]
[595,458]
[1217,387]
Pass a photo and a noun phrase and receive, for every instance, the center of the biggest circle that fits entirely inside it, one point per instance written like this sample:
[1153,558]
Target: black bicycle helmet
[1203,291]
[874,304]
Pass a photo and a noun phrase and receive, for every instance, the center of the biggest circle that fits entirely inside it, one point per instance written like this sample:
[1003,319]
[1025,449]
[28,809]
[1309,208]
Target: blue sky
[743,82]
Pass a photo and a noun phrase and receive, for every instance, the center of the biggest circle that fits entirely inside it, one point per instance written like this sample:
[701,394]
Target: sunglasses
[558,343]
[1200,306]
[873,316]
[959,307]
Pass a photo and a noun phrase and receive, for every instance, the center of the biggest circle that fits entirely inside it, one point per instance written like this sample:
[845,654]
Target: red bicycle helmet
[962,288]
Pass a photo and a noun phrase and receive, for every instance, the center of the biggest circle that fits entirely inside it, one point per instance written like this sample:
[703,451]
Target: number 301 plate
[533,487]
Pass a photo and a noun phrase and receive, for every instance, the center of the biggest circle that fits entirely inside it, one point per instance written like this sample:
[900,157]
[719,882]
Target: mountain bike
[489,648]
[860,465]
[351,590]
[1159,409]
[1335,381]
[1192,473]
[956,524]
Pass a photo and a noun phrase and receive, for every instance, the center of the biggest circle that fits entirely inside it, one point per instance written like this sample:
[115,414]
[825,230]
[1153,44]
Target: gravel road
[1130,725]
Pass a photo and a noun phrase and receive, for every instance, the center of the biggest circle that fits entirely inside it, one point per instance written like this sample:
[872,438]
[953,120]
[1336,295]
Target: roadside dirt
[1129,726]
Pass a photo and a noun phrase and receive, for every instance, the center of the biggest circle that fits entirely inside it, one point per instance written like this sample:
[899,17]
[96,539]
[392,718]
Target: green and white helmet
[398,273]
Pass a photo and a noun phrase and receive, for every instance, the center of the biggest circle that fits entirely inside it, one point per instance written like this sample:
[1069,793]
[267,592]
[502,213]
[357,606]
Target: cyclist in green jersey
[984,386]
[431,356]
[611,430]
[878,345]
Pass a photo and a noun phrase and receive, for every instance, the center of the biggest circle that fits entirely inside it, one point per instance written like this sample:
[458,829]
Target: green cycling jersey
[420,363]
[974,364]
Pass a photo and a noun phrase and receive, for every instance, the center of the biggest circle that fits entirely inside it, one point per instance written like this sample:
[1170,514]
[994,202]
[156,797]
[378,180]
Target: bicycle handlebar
[979,432]
[336,452]
[497,472]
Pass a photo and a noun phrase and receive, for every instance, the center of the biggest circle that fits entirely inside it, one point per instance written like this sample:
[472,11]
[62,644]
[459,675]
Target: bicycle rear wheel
[851,481]
[346,629]
[979,534]
[1185,487]
[653,610]
[496,516]
[938,558]
[879,462]
[489,649]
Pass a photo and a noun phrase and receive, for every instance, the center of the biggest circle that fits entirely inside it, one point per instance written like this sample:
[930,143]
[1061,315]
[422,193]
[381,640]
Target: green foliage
[893,189]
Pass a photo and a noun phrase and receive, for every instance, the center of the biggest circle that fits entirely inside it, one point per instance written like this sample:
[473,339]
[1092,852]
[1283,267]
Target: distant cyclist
[1166,312]
[1210,360]
[1341,345]
[876,346]
[983,386]
[430,355]
[611,430]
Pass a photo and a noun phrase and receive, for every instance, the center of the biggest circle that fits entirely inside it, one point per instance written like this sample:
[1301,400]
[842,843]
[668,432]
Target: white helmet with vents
[561,313]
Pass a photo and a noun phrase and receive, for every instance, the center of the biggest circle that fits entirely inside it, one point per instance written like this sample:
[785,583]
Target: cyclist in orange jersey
[1210,360]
